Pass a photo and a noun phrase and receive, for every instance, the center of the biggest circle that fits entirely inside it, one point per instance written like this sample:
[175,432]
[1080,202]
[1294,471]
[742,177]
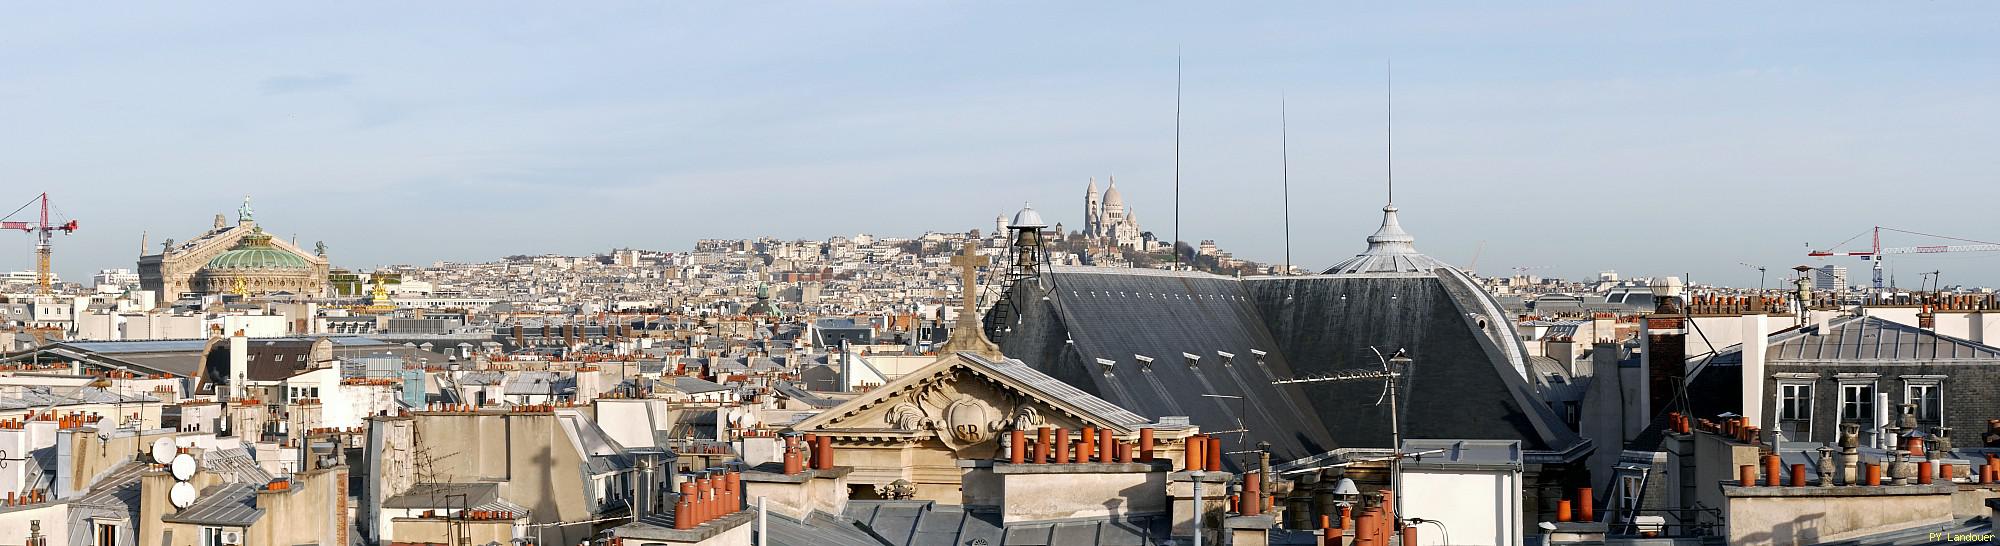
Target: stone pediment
[966,401]
[208,245]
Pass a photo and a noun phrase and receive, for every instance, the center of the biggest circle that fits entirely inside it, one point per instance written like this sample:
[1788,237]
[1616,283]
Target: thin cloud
[279,85]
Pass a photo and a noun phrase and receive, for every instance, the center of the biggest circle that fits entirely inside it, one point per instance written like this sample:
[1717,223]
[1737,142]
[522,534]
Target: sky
[1686,138]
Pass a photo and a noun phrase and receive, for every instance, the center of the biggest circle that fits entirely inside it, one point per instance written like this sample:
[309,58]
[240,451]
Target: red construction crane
[1875,251]
[41,230]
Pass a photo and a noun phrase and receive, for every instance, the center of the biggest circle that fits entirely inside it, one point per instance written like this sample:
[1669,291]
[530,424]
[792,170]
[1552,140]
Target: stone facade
[918,428]
[180,267]
[1965,393]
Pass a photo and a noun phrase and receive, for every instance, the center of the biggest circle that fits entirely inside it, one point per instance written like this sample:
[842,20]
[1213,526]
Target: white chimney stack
[239,364]
[1756,335]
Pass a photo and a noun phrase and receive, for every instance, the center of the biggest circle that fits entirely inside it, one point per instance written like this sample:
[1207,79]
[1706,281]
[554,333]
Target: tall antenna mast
[1176,245]
[1391,158]
[1285,162]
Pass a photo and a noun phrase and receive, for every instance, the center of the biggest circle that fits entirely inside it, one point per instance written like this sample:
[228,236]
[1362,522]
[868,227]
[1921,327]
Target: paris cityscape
[789,275]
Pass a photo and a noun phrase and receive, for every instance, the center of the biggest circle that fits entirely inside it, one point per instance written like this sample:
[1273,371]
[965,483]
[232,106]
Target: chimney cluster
[1706,304]
[1204,453]
[1091,444]
[1736,427]
[711,495]
[1941,302]
[32,496]
[808,451]
[1252,501]
[1374,526]
[1332,534]
[1581,508]
[65,421]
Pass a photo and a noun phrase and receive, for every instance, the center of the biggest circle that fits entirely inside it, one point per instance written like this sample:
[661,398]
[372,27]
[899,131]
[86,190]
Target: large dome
[255,252]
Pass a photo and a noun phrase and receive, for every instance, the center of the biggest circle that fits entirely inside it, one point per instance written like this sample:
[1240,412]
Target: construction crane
[41,230]
[1875,251]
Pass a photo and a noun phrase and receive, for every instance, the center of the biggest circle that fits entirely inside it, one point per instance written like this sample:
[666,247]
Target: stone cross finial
[968,261]
[969,337]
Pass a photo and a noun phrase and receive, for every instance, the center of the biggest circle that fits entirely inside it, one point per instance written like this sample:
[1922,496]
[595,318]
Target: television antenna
[1392,370]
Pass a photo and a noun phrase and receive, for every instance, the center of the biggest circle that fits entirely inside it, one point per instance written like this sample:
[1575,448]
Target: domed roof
[1111,196]
[1027,218]
[255,252]
[1390,250]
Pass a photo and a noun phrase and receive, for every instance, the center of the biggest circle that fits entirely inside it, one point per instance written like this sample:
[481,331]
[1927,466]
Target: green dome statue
[254,251]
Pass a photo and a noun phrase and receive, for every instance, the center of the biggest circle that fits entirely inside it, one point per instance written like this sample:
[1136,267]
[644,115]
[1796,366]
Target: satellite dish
[163,450]
[183,467]
[182,495]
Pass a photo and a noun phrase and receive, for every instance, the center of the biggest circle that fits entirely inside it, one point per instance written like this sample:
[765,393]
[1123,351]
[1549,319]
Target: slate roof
[482,378]
[228,505]
[113,496]
[696,385]
[1871,338]
[804,396]
[927,523]
[36,397]
[1469,380]
[1555,381]
[1120,315]
[440,495]
[541,383]
[819,529]
[236,463]
[1859,339]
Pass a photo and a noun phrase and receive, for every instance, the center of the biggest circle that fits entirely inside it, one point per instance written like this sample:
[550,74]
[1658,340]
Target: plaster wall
[528,453]
[309,512]
[1039,497]
[1970,502]
[1716,461]
[14,524]
[799,500]
[1480,508]
[435,530]
[1759,521]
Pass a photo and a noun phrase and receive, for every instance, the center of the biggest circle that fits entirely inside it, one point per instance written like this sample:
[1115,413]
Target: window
[1926,396]
[1630,488]
[211,536]
[107,534]
[1795,401]
[1795,410]
[1857,403]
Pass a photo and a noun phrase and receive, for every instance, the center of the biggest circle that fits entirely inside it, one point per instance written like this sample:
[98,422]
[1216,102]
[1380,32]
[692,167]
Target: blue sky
[1681,138]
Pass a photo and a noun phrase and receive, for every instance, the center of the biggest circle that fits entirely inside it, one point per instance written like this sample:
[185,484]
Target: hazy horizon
[1653,140]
